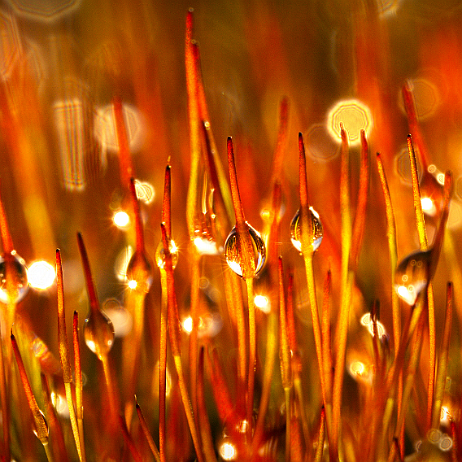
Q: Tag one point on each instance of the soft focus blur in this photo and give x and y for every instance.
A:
(62, 63)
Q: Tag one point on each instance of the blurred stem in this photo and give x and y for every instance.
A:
(78, 382)
(346, 289)
(443, 360)
(320, 446)
(147, 435)
(195, 294)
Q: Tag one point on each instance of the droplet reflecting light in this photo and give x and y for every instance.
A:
(233, 252)
(13, 266)
(317, 230)
(160, 254)
(98, 332)
(412, 276)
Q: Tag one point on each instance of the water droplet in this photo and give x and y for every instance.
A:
(13, 278)
(412, 276)
(233, 253)
(317, 231)
(41, 430)
(139, 272)
(98, 333)
(160, 254)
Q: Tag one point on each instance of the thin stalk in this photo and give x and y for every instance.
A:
(327, 349)
(306, 238)
(271, 347)
(443, 359)
(391, 236)
(5, 236)
(321, 436)
(291, 333)
(129, 441)
(414, 124)
(40, 424)
(219, 179)
(146, 433)
(101, 331)
(422, 233)
(110, 386)
(284, 355)
(346, 288)
(247, 265)
(195, 298)
(139, 274)
(174, 334)
(4, 402)
(163, 365)
(64, 356)
(252, 351)
(78, 380)
(204, 424)
(288, 442)
(409, 382)
(360, 216)
(272, 323)
(167, 220)
(194, 125)
(126, 168)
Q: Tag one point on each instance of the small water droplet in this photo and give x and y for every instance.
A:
(317, 231)
(234, 257)
(160, 254)
(412, 276)
(13, 278)
(41, 430)
(98, 332)
(139, 271)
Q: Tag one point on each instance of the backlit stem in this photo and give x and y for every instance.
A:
(64, 356)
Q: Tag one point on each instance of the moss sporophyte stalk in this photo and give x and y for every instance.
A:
(228, 304)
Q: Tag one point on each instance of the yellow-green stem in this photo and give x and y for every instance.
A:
(287, 391)
(73, 419)
(271, 346)
(252, 352)
(162, 365)
(315, 318)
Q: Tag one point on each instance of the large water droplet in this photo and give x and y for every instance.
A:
(98, 332)
(13, 278)
(234, 257)
(139, 272)
(412, 276)
(316, 230)
(160, 254)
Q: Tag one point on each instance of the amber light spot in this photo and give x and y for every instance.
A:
(121, 219)
(354, 116)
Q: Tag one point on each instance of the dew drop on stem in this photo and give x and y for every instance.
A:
(317, 232)
(234, 257)
(13, 278)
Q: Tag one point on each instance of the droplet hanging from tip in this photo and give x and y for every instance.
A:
(317, 231)
(139, 272)
(98, 332)
(234, 257)
(13, 278)
(412, 276)
(160, 254)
